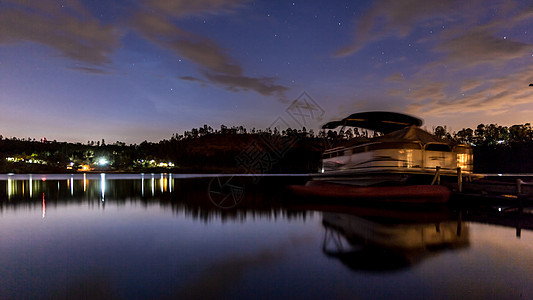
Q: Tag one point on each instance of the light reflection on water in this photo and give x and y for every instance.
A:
(158, 236)
(28, 185)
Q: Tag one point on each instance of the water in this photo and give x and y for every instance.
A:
(157, 236)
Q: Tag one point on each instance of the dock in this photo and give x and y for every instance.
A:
(494, 188)
(503, 188)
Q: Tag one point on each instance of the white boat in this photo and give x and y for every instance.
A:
(404, 150)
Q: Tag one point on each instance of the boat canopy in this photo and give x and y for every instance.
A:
(381, 121)
(411, 134)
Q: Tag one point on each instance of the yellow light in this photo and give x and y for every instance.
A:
(462, 160)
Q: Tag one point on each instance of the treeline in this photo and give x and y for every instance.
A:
(228, 149)
(238, 150)
(497, 149)
(488, 135)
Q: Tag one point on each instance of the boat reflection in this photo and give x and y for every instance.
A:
(384, 244)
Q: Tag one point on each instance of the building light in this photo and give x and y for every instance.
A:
(102, 162)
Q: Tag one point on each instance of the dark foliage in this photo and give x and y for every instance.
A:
(239, 150)
(497, 149)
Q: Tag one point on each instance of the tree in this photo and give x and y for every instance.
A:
(465, 135)
(479, 134)
(494, 134)
(442, 132)
(520, 133)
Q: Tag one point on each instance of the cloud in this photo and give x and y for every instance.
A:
(491, 94)
(67, 27)
(400, 19)
(470, 84)
(71, 29)
(213, 62)
(264, 86)
(202, 51)
(469, 49)
(427, 90)
(473, 74)
(396, 77)
(396, 18)
(191, 78)
(181, 8)
(90, 70)
(480, 46)
(207, 54)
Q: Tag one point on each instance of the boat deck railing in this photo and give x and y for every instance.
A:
(412, 145)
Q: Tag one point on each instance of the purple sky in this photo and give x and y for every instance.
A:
(131, 70)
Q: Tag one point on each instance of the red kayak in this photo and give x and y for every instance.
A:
(404, 194)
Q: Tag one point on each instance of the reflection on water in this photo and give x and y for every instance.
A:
(192, 196)
(160, 236)
(26, 186)
(44, 207)
(102, 186)
(366, 244)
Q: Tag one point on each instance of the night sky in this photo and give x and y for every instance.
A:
(130, 70)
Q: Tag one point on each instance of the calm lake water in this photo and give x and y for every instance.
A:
(161, 236)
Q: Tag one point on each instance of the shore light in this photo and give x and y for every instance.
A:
(102, 162)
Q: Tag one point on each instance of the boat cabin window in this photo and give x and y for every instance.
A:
(438, 147)
(460, 149)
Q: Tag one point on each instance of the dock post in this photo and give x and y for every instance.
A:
(437, 176)
(459, 180)
(518, 228)
(519, 183)
(460, 223)
(519, 217)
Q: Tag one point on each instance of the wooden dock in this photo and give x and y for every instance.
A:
(513, 188)
(484, 187)
(517, 188)
(508, 217)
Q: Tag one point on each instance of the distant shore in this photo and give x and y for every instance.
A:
(497, 149)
